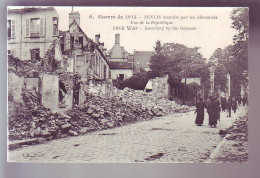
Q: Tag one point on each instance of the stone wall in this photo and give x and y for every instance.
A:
(31, 83)
(15, 85)
(50, 91)
(160, 86)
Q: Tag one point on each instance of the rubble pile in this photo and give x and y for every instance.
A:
(239, 130)
(99, 113)
(129, 106)
(154, 103)
(236, 147)
(32, 120)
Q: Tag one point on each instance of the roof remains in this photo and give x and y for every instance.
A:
(142, 58)
(29, 9)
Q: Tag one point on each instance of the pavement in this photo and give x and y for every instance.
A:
(169, 139)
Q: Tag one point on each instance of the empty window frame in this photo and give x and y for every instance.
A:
(55, 26)
(35, 54)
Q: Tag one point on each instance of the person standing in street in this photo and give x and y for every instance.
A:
(239, 100)
(200, 112)
(217, 109)
(234, 105)
(228, 107)
(223, 103)
(207, 105)
(213, 110)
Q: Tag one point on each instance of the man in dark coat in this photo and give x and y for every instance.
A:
(217, 109)
(228, 107)
(239, 100)
(234, 105)
(200, 112)
(223, 103)
(62, 92)
(213, 109)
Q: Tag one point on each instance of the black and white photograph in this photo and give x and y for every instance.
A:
(127, 84)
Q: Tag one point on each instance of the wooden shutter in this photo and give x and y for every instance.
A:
(42, 25)
(27, 28)
(13, 28)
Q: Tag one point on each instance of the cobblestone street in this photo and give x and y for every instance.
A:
(168, 139)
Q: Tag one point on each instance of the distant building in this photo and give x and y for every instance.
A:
(120, 60)
(142, 60)
(121, 70)
(31, 31)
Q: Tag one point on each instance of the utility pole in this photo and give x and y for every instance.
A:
(185, 82)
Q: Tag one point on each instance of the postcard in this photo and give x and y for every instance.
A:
(127, 84)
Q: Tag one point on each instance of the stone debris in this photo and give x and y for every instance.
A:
(153, 102)
(128, 106)
(236, 147)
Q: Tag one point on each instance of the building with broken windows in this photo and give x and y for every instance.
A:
(83, 55)
(120, 60)
(31, 31)
(58, 67)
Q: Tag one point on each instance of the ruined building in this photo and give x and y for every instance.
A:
(67, 63)
(120, 60)
(82, 55)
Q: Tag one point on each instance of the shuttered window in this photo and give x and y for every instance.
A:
(42, 24)
(27, 28)
(11, 24)
(13, 29)
(34, 27)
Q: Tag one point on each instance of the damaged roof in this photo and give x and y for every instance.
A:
(142, 58)
(121, 65)
(96, 45)
(29, 9)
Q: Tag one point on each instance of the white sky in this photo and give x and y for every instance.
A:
(210, 34)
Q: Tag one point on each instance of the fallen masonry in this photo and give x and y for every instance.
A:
(32, 120)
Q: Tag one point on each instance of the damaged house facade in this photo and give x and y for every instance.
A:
(84, 56)
(31, 31)
(67, 63)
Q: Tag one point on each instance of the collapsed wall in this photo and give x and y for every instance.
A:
(159, 86)
(128, 106)
(37, 115)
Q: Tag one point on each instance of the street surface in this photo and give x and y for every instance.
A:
(168, 139)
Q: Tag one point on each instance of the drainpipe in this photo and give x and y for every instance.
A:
(21, 37)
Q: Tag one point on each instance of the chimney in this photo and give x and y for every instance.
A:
(97, 39)
(104, 51)
(101, 45)
(117, 39)
(74, 16)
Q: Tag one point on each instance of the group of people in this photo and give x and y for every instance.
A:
(214, 107)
